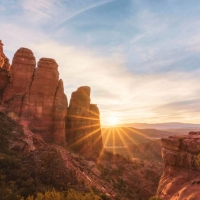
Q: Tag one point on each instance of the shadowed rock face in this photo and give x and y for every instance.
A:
(37, 96)
(181, 177)
(83, 131)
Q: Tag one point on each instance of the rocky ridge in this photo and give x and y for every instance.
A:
(181, 177)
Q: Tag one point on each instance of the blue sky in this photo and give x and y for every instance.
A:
(140, 58)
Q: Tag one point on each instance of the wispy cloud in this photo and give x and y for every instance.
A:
(40, 10)
(76, 13)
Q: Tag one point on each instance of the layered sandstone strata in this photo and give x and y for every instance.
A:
(181, 177)
(83, 131)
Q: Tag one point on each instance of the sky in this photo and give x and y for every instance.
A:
(140, 58)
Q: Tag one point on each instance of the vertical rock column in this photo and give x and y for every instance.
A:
(41, 98)
(59, 114)
(4, 67)
(4, 61)
(96, 137)
(83, 126)
(21, 76)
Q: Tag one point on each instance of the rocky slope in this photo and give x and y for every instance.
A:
(181, 177)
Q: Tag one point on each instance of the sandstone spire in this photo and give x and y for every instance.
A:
(21, 75)
(83, 131)
(4, 67)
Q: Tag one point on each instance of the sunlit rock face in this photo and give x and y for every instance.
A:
(21, 75)
(36, 95)
(181, 177)
(4, 70)
(83, 130)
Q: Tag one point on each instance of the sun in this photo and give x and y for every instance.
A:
(112, 120)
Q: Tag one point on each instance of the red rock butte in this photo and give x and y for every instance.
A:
(35, 94)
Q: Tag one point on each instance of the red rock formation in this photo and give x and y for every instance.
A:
(36, 95)
(41, 98)
(59, 116)
(21, 75)
(4, 67)
(4, 61)
(83, 125)
(181, 177)
(96, 137)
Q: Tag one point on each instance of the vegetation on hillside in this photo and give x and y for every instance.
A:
(23, 174)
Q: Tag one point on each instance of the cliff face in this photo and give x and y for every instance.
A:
(35, 95)
(83, 123)
(181, 177)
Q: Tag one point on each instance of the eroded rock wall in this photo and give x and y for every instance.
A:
(181, 176)
(83, 131)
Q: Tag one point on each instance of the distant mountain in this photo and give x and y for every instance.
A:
(162, 126)
(126, 136)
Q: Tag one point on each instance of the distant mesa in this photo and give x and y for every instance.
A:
(36, 95)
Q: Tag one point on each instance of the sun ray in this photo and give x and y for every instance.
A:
(103, 149)
(124, 143)
(138, 132)
(126, 135)
(86, 136)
